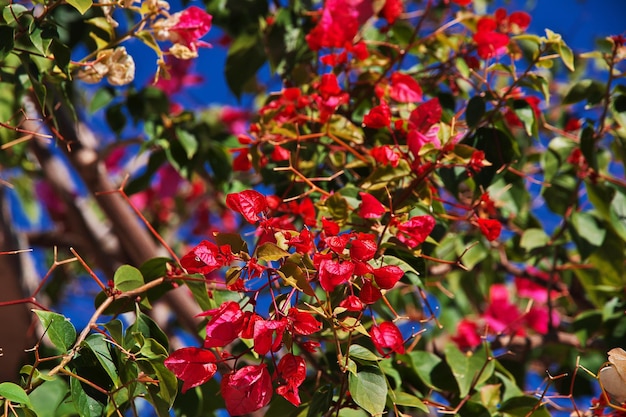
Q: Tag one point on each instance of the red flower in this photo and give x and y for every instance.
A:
(425, 115)
(385, 155)
(490, 228)
(378, 116)
(352, 303)
(501, 314)
(303, 323)
(339, 23)
(330, 227)
(387, 276)
(462, 2)
(247, 390)
(204, 258)
(332, 273)
(264, 339)
(369, 293)
(191, 24)
(467, 336)
(370, 207)
(292, 370)
(194, 366)
(405, 88)
(489, 42)
(392, 10)
(363, 249)
(414, 231)
(387, 338)
(224, 326)
(248, 203)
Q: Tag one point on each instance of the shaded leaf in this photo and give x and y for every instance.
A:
(58, 328)
(14, 393)
(369, 389)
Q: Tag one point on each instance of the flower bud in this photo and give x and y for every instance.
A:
(613, 377)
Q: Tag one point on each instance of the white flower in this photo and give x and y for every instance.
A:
(613, 376)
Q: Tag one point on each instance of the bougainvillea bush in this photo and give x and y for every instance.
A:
(426, 213)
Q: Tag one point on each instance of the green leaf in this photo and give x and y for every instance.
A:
(591, 90)
(587, 232)
(269, 251)
(321, 401)
(566, 54)
(525, 113)
(127, 278)
(103, 353)
(234, 240)
(384, 174)
(50, 399)
(369, 389)
(344, 129)
(101, 99)
(86, 405)
(522, 406)
(294, 276)
(200, 292)
(7, 35)
(534, 238)
(14, 393)
(188, 141)
(147, 328)
(466, 367)
(407, 400)
(245, 57)
(81, 5)
(618, 214)
(362, 354)
(58, 328)
(475, 111)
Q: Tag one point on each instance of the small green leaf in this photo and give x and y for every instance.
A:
(369, 389)
(534, 238)
(270, 252)
(475, 111)
(188, 142)
(344, 129)
(590, 90)
(321, 401)
(525, 113)
(86, 405)
(58, 328)
(566, 54)
(14, 393)
(408, 400)
(7, 35)
(522, 406)
(469, 370)
(362, 354)
(101, 99)
(102, 351)
(127, 278)
(245, 57)
(81, 5)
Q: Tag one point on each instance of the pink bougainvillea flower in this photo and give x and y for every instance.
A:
(338, 243)
(462, 2)
(248, 203)
(405, 89)
(268, 335)
(537, 318)
(369, 292)
(378, 116)
(178, 76)
(370, 207)
(537, 290)
(292, 371)
(392, 9)
(467, 336)
(332, 273)
(246, 390)
(385, 155)
(302, 322)
(192, 24)
(330, 227)
(501, 315)
(225, 325)
(425, 115)
(416, 139)
(352, 303)
(363, 249)
(387, 338)
(194, 366)
(330, 96)
(490, 43)
(339, 23)
(203, 259)
(414, 231)
(490, 228)
(387, 276)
